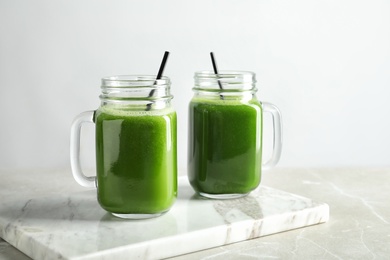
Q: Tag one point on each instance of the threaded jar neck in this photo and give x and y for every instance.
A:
(136, 90)
(225, 83)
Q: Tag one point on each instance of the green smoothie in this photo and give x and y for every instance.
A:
(136, 158)
(224, 145)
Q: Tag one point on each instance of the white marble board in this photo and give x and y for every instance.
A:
(73, 226)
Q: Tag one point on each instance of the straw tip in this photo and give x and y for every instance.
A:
(162, 66)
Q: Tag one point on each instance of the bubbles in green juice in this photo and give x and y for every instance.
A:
(224, 145)
(136, 158)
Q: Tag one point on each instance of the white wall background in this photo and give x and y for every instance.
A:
(326, 64)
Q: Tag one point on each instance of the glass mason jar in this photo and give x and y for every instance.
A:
(136, 150)
(225, 134)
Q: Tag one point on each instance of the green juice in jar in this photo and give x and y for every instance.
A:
(225, 145)
(136, 160)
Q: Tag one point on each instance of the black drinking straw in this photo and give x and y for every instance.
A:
(162, 66)
(216, 71)
(159, 75)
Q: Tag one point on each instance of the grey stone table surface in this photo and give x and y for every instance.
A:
(358, 228)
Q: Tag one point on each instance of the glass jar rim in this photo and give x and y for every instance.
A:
(134, 81)
(225, 81)
(242, 75)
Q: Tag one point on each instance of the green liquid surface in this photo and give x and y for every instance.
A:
(136, 158)
(224, 146)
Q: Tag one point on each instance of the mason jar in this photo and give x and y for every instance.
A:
(226, 134)
(136, 150)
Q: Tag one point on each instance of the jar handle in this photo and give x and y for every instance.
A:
(78, 175)
(277, 134)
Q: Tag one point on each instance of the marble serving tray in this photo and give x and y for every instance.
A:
(73, 226)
